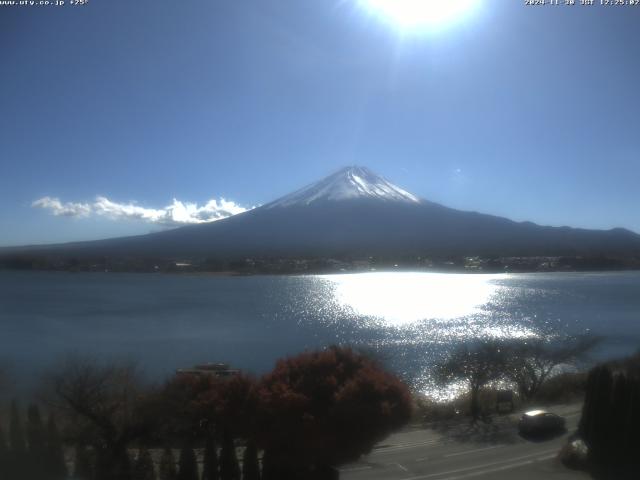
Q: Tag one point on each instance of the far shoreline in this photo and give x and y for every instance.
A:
(232, 274)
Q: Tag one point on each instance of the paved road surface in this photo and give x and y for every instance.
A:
(494, 451)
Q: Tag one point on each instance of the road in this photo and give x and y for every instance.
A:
(459, 451)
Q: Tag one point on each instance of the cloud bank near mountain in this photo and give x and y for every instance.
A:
(176, 214)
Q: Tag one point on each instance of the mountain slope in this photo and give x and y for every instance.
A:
(355, 212)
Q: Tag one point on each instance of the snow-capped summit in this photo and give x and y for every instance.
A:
(346, 184)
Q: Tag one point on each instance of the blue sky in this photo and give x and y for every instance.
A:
(525, 112)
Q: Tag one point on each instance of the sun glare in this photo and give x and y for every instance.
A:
(417, 14)
(405, 298)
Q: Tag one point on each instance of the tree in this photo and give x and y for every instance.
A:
(16, 433)
(18, 466)
(143, 467)
(222, 404)
(4, 455)
(610, 419)
(229, 468)
(250, 465)
(55, 462)
(477, 365)
(4, 380)
(111, 465)
(273, 470)
(182, 410)
(167, 467)
(199, 406)
(326, 408)
(84, 464)
(210, 461)
(532, 362)
(188, 464)
(105, 407)
(234, 403)
(36, 439)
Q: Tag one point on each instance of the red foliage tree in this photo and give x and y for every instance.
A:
(327, 408)
(230, 404)
(180, 408)
(201, 406)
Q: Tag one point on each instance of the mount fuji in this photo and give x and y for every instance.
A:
(347, 184)
(355, 212)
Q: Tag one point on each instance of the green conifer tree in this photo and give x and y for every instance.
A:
(36, 440)
(188, 464)
(229, 468)
(16, 434)
(250, 465)
(18, 469)
(4, 455)
(55, 462)
(112, 464)
(273, 469)
(167, 468)
(143, 466)
(83, 467)
(210, 461)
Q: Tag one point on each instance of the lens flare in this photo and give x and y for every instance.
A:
(417, 14)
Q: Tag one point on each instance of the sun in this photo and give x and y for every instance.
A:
(418, 14)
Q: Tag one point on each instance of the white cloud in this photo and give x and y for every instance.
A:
(117, 211)
(68, 209)
(176, 214)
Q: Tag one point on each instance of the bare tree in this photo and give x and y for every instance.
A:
(477, 365)
(531, 362)
(104, 407)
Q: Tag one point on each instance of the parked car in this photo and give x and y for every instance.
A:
(539, 422)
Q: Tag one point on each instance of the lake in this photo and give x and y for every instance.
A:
(409, 319)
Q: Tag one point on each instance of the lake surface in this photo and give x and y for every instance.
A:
(409, 319)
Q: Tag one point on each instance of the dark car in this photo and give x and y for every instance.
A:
(540, 422)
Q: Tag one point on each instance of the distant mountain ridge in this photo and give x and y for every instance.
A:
(355, 212)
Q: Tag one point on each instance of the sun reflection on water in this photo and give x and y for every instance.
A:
(412, 320)
(401, 299)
